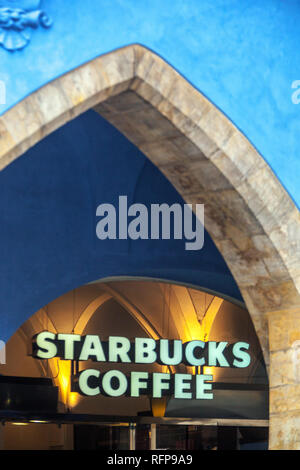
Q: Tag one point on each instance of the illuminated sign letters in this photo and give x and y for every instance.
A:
(118, 349)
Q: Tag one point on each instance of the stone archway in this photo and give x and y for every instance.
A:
(252, 220)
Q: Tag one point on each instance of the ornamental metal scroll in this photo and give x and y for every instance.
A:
(17, 19)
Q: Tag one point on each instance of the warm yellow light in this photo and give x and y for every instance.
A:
(190, 327)
(64, 383)
(119, 425)
(73, 399)
(36, 421)
(208, 370)
(209, 317)
(159, 406)
(64, 379)
(20, 424)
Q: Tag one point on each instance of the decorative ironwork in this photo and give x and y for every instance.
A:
(17, 18)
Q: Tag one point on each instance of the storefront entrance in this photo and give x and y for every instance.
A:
(135, 365)
(169, 437)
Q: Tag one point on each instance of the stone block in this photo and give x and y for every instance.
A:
(181, 178)
(188, 101)
(284, 328)
(242, 155)
(7, 143)
(268, 296)
(284, 399)
(209, 175)
(216, 126)
(285, 431)
(153, 70)
(285, 367)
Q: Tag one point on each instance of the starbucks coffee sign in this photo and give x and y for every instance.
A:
(119, 349)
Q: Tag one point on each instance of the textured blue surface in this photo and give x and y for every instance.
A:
(242, 55)
(48, 202)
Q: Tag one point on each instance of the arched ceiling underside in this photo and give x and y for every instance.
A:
(161, 310)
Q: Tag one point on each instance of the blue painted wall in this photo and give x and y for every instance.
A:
(48, 202)
(243, 55)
